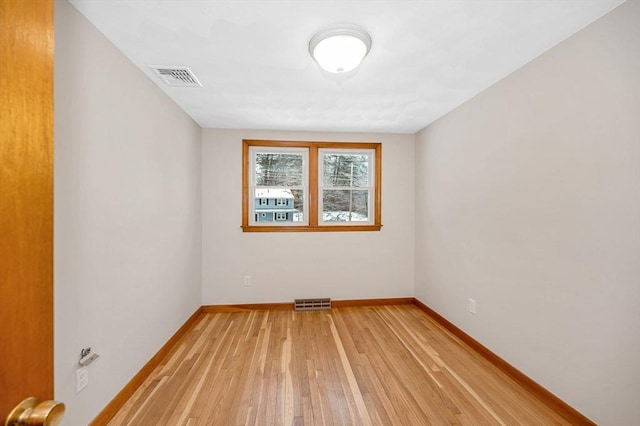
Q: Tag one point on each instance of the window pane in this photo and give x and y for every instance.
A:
(279, 169)
(345, 170)
(339, 180)
(279, 204)
(343, 205)
(298, 205)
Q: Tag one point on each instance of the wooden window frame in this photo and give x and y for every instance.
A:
(312, 213)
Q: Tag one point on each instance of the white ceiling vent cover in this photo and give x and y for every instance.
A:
(176, 76)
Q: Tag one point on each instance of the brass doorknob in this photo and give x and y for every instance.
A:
(30, 412)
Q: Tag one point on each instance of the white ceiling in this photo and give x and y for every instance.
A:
(427, 57)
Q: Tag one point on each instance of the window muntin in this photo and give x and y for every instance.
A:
(345, 186)
(324, 197)
(278, 179)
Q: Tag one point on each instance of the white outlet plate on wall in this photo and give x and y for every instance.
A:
(82, 378)
(472, 306)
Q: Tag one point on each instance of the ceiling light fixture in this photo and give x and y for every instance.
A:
(340, 48)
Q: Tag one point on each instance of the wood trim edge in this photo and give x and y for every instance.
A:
(284, 306)
(559, 406)
(372, 302)
(310, 228)
(563, 409)
(212, 309)
(128, 390)
(111, 409)
(313, 186)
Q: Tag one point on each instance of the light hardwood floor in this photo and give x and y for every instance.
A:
(383, 365)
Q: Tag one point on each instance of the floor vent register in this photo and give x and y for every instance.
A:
(312, 304)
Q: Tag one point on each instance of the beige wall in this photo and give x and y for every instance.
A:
(285, 266)
(127, 215)
(528, 201)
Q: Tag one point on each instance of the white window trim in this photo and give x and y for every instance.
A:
(370, 153)
(305, 184)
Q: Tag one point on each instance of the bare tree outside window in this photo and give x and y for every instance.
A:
(278, 169)
(345, 194)
(282, 170)
(298, 186)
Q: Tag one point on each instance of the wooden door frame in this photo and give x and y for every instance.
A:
(26, 201)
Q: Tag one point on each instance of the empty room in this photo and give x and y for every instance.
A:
(210, 219)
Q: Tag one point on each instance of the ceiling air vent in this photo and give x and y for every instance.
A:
(176, 76)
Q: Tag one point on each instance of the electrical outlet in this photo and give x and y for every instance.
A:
(247, 280)
(472, 306)
(82, 378)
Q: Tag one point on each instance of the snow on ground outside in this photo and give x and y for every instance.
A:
(336, 217)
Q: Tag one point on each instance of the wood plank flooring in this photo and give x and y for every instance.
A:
(383, 365)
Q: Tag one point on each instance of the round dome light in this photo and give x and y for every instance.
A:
(340, 48)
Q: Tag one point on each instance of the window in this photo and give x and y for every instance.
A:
(313, 186)
(345, 185)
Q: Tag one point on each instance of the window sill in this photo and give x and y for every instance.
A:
(324, 228)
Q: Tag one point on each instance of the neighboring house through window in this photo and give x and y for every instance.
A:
(273, 204)
(311, 186)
